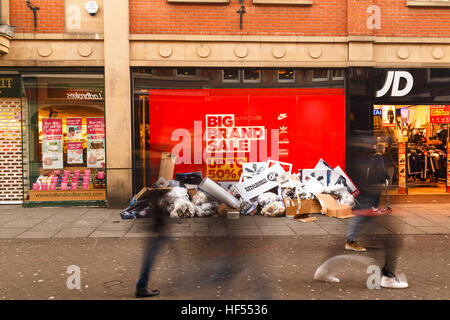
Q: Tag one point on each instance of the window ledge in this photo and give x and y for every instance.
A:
(432, 3)
(198, 1)
(291, 2)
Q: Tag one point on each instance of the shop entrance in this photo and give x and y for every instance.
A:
(417, 146)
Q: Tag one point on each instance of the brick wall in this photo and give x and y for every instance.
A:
(50, 16)
(323, 18)
(10, 151)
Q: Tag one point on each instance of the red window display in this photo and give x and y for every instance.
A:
(215, 130)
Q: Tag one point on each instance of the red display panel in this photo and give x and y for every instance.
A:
(294, 125)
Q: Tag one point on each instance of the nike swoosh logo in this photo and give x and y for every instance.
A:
(282, 116)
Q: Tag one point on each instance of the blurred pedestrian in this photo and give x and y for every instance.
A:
(369, 199)
(158, 226)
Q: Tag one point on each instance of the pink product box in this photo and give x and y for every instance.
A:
(87, 172)
(66, 173)
(76, 173)
(35, 186)
(85, 179)
(56, 172)
(101, 175)
(64, 179)
(44, 186)
(85, 186)
(52, 187)
(63, 186)
(74, 186)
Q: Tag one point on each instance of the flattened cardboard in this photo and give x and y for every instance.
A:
(307, 206)
(333, 209)
(306, 218)
(151, 193)
(167, 166)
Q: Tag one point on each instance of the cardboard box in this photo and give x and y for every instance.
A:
(233, 215)
(223, 209)
(307, 206)
(331, 208)
(167, 165)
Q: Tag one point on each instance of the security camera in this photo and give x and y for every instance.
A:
(92, 7)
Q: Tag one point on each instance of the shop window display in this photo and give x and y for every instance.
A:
(423, 130)
(64, 136)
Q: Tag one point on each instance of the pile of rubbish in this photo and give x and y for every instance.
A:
(269, 189)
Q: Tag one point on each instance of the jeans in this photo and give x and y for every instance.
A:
(150, 253)
(354, 226)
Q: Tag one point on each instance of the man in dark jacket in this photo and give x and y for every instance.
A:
(368, 202)
(369, 199)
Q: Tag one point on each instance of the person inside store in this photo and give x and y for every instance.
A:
(368, 211)
(441, 137)
(391, 115)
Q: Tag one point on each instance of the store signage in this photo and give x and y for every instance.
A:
(212, 130)
(402, 168)
(82, 95)
(440, 114)
(52, 149)
(389, 116)
(393, 80)
(377, 112)
(9, 86)
(95, 142)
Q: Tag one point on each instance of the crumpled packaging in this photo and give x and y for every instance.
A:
(204, 203)
(167, 202)
(312, 185)
(247, 207)
(344, 197)
(267, 198)
(206, 209)
(274, 209)
(182, 209)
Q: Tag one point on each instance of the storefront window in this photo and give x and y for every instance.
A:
(420, 166)
(64, 138)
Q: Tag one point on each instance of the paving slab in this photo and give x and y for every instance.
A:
(107, 234)
(21, 223)
(435, 230)
(86, 223)
(277, 230)
(11, 232)
(46, 226)
(106, 226)
(36, 234)
(74, 233)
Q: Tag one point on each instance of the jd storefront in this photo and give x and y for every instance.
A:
(213, 120)
(63, 139)
(408, 110)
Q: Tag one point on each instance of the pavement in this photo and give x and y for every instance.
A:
(85, 222)
(253, 257)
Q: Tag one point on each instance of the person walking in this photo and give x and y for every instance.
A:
(368, 211)
(369, 199)
(158, 226)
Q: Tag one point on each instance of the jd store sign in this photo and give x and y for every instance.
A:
(412, 85)
(392, 84)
